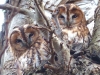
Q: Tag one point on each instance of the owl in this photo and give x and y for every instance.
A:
(72, 21)
(26, 39)
(29, 49)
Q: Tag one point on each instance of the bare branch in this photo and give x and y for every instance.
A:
(48, 9)
(40, 27)
(40, 10)
(16, 9)
(58, 30)
(52, 47)
(90, 20)
(63, 2)
(51, 67)
(67, 1)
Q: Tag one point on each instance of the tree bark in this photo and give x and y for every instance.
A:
(94, 47)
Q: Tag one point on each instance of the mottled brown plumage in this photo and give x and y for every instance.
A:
(73, 23)
(26, 38)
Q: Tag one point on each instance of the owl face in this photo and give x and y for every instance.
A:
(28, 47)
(73, 23)
(23, 38)
(71, 15)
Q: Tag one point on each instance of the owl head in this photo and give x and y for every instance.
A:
(23, 38)
(71, 15)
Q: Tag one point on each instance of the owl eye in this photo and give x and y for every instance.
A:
(18, 40)
(74, 16)
(30, 35)
(61, 16)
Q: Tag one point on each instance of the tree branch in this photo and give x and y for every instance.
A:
(67, 1)
(40, 10)
(16, 9)
(90, 20)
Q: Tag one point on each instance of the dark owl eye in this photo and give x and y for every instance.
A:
(18, 40)
(74, 16)
(61, 16)
(30, 35)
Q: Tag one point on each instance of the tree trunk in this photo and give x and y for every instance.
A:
(94, 47)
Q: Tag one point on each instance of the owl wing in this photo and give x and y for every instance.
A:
(36, 56)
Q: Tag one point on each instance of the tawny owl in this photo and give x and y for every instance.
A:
(73, 23)
(27, 38)
(29, 48)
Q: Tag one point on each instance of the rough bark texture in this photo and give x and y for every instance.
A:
(94, 48)
(66, 64)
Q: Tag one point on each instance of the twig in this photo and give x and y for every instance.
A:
(67, 1)
(52, 47)
(32, 7)
(51, 33)
(72, 1)
(51, 67)
(62, 2)
(46, 3)
(3, 50)
(48, 9)
(69, 63)
(90, 20)
(41, 12)
(39, 27)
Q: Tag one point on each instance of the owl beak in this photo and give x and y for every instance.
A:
(25, 45)
(29, 43)
(68, 24)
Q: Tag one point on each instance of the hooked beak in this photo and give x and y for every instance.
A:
(67, 23)
(25, 45)
(29, 42)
